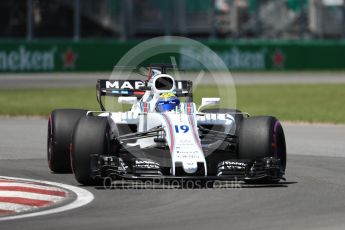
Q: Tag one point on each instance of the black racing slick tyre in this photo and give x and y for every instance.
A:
(91, 136)
(261, 137)
(61, 124)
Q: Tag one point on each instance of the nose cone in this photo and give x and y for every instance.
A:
(190, 167)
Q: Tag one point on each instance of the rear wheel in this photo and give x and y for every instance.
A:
(91, 136)
(60, 128)
(261, 137)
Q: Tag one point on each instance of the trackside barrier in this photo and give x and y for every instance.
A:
(69, 56)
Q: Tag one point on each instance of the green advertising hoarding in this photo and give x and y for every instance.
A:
(66, 56)
(49, 56)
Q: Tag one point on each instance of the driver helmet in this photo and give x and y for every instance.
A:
(167, 102)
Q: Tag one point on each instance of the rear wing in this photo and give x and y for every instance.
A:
(136, 88)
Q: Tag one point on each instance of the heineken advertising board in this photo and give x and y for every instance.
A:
(58, 56)
(23, 59)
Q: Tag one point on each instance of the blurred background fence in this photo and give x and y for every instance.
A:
(132, 19)
(90, 35)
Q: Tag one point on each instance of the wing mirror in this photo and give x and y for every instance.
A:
(128, 100)
(208, 101)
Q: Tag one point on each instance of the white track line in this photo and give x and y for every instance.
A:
(83, 197)
(27, 185)
(15, 207)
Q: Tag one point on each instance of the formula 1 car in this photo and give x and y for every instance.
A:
(163, 137)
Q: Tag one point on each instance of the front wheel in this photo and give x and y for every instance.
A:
(261, 137)
(91, 136)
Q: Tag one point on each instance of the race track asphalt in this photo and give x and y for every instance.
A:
(311, 198)
(55, 80)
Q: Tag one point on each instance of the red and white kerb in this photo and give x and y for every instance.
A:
(18, 196)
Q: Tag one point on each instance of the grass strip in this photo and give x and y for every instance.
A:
(309, 102)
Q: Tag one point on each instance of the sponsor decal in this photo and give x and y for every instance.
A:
(124, 84)
(146, 164)
(232, 165)
(187, 155)
(185, 144)
(234, 58)
(135, 84)
(23, 59)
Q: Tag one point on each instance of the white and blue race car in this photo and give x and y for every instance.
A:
(164, 135)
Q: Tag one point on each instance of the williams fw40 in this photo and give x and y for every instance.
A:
(163, 135)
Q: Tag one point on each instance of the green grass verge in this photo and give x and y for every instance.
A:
(310, 103)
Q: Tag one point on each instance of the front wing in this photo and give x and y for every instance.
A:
(145, 169)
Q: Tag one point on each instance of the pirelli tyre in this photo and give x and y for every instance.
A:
(60, 129)
(261, 137)
(91, 136)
